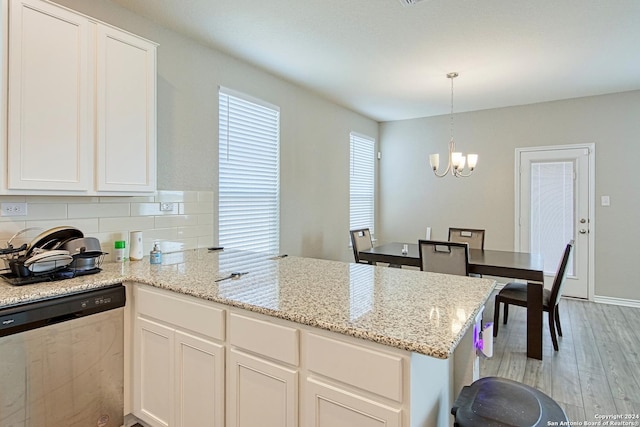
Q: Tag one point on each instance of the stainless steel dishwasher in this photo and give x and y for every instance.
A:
(62, 361)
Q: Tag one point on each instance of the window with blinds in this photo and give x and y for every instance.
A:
(362, 182)
(249, 173)
(552, 211)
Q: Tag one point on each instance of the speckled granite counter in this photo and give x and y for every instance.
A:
(411, 310)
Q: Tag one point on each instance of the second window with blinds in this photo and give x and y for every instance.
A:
(362, 182)
(249, 173)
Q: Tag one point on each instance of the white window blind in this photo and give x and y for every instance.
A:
(249, 173)
(362, 182)
(552, 211)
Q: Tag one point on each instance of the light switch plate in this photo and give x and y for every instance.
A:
(605, 201)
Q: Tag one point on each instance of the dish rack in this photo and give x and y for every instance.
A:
(17, 274)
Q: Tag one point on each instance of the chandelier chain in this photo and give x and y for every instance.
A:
(451, 116)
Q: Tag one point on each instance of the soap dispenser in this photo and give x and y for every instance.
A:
(155, 256)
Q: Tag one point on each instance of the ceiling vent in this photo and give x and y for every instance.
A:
(410, 2)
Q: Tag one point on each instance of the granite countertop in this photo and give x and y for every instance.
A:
(422, 312)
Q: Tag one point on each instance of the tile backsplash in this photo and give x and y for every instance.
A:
(185, 221)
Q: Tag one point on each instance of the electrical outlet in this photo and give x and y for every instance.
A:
(166, 206)
(13, 209)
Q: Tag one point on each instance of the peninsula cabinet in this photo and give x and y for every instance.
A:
(200, 363)
(81, 104)
(262, 373)
(178, 361)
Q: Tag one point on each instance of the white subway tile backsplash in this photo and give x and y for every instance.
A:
(62, 199)
(205, 196)
(40, 211)
(177, 196)
(158, 234)
(145, 209)
(8, 229)
(196, 208)
(205, 241)
(188, 226)
(134, 199)
(197, 231)
(130, 223)
(86, 225)
(177, 221)
(205, 219)
(99, 210)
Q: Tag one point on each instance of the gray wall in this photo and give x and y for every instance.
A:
(314, 133)
(411, 198)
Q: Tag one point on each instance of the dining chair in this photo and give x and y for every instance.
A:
(444, 257)
(474, 237)
(516, 294)
(360, 241)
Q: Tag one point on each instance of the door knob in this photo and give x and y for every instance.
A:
(582, 220)
(583, 231)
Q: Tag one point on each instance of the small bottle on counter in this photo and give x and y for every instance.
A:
(118, 253)
(155, 256)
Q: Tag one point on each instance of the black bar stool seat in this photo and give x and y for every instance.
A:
(498, 402)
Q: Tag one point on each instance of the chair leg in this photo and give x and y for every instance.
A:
(496, 317)
(506, 313)
(552, 329)
(557, 316)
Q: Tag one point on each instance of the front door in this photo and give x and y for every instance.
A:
(554, 205)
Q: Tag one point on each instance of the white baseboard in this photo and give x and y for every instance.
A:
(617, 301)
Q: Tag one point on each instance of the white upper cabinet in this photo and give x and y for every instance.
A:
(49, 121)
(126, 112)
(81, 111)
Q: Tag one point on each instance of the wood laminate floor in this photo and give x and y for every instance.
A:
(596, 371)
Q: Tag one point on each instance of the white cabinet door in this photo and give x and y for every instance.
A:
(153, 372)
(199, 391)
(126, 112)
(329, 406)
(49, 113)
(261, 393)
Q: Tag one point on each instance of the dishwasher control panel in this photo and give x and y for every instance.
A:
(42, 313)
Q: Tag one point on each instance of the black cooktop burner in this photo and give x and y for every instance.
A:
(67, 273)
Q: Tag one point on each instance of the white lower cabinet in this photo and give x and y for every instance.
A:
(332, 406)
(153, 361)
(199, 389)
(178, 374)
(199, 363)
(261, 392)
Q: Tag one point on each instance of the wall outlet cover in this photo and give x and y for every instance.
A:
(13, 209)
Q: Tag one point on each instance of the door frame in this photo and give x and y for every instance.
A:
(591, 205)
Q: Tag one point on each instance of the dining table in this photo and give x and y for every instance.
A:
(507, 264)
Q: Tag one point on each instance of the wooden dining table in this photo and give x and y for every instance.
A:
(513, 265)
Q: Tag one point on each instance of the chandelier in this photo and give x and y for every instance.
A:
(457, 160)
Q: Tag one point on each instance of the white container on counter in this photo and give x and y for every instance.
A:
(135, 246)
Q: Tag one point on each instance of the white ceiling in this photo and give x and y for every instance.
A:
(389, 61)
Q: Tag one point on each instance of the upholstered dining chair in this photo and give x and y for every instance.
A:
(444, 257)
(474, 237)
(516, 294)
(360, 241)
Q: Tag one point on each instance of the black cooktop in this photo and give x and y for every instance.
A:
(66, 273)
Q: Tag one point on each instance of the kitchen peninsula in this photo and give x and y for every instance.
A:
(295, 341)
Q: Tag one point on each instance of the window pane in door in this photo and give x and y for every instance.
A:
(552, 211)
